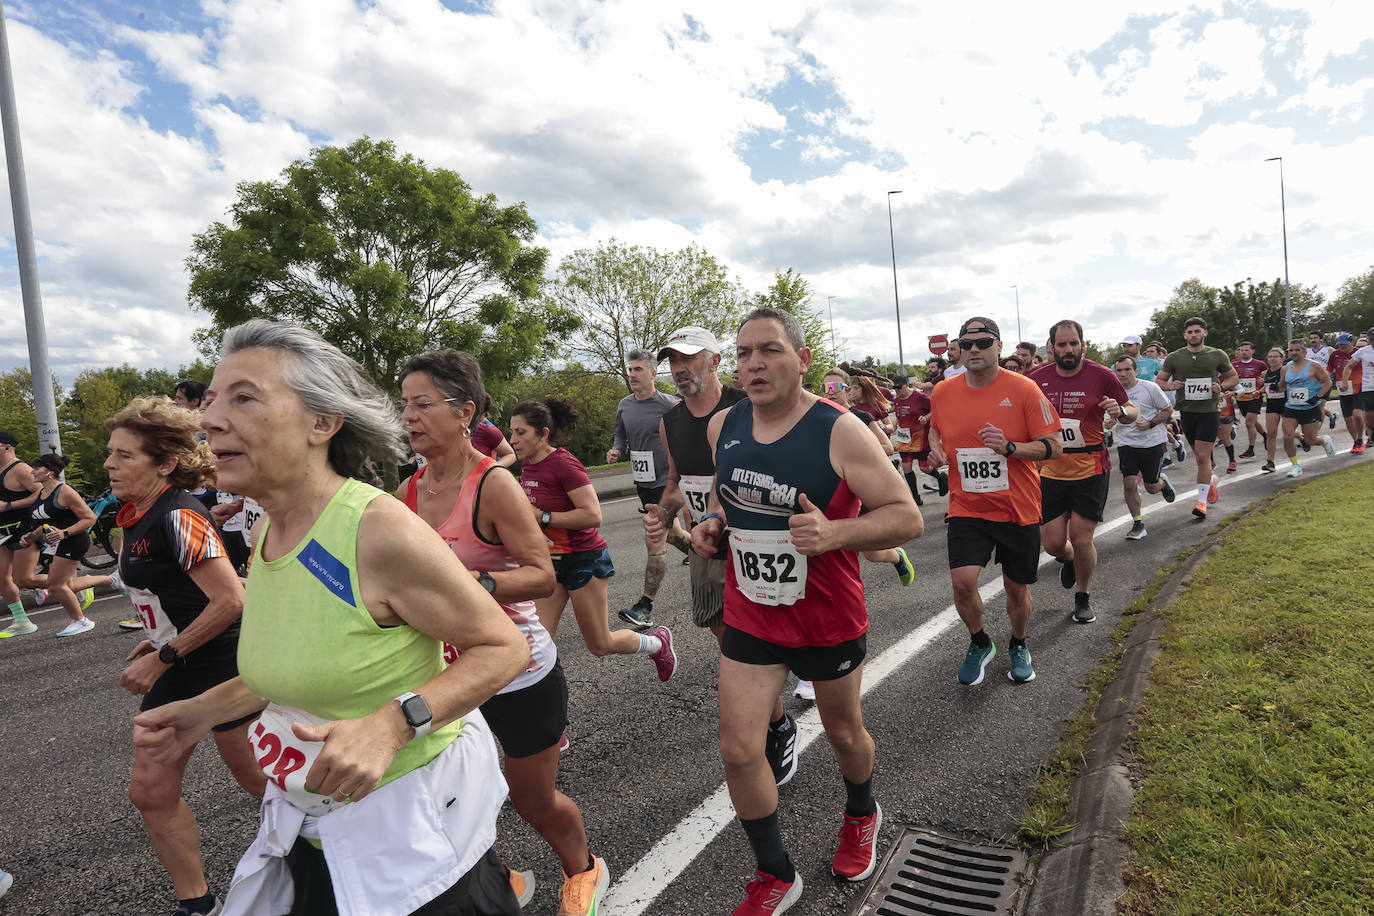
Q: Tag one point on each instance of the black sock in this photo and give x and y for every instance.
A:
(765, 836)
(1080, 599)
(1016, 643)
(1231, 452)
(198, 904)
(981, 639)
(860, 802)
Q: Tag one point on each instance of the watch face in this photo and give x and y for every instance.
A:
(416, 711)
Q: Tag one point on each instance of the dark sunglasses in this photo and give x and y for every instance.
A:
(981, 343)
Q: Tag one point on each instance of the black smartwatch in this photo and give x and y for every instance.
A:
(485, 580)
(545, 519)
(168, 655)
(1011, 449)
(416, 711)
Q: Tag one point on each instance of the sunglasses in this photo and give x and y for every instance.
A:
(834, 387)
(980, 343)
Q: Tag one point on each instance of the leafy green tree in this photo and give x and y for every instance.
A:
(1243, 311)
(633, 297)
(790, 292)
(595, 395)
(17, 414)
(1352, 309)
(385, 257)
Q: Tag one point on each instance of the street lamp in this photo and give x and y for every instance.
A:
(1018, 312)
(901, 357)
(1283, 212)
(830, 304)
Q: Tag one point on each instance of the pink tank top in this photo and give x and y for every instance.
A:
(460, 532)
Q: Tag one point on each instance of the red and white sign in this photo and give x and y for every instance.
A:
(939, 344)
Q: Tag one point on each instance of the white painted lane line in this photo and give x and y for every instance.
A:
(642, 883)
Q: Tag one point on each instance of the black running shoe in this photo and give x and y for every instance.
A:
(942, 481)
(1067, 576)
(781, 750)
(1267, 467)
(639, 615)
(1082, 609)
(1248, 453)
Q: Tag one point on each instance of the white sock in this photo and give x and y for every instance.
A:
(1202, 489)
(649, 645)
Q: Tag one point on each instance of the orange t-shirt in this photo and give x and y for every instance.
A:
(983, 484)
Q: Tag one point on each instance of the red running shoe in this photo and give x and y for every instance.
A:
(766, 894)
(858, 852)
(1212, 493)
(665, 659)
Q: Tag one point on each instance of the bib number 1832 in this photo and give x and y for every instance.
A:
(768, 568)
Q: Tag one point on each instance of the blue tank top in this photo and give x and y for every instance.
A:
(1302, 382)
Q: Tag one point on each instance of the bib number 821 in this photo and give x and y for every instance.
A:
(766, 567)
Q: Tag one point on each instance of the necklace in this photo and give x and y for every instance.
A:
(462, 475)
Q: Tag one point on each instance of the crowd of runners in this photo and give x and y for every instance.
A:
(358, 659)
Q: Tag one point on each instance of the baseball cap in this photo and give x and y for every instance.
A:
(689, 341)
(985, 322)
(1131, 339)
(1342, 338)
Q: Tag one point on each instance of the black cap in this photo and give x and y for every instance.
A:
(985, 322)
(900, 380)
(7, 438)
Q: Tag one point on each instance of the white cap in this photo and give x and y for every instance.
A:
(689, 341)
(1131, 339)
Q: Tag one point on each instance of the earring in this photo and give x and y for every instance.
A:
(467, 432)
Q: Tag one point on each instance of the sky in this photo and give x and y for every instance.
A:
(1083, 156)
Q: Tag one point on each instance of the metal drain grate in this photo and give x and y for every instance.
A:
(934, 875)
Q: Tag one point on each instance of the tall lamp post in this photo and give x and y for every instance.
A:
(830, 304)
(1283, 212)
(901, 357)
(1018, 311)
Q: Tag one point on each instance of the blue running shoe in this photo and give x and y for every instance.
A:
(1021, 670)
(975, 663)
(906, 574)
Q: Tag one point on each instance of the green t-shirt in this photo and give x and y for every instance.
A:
(1206, 365)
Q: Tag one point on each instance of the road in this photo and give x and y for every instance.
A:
(643, 756)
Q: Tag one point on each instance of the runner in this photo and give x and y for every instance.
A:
(1140, 445)
(1074, 485)
(59, 522)
(350, 598)
(994, 490)
(912, 408)
(956, 360)
(1157, 352)
(1147, 367)
(693, 356)
(172, 562)
(1273, 406)
(636, 431)
(488, 440)
(20, 492)
(1318, 351)
(875, 401)
(1348, 388)
(791, 472)
(1249, 397)
(1013, 364)
(189, 394)
(1305, 385)
(481, 513)
(564, 503)
(1363, 357)
(1201, 373)
(1228, 419)
(934, 372)
(1026, 352)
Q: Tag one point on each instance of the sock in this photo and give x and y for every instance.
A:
(1294, 459)
(1135, 518)
(1015, 643)
(650, 645)
(765, 836)
(591, 863)
(1202, 489)
(198, 904)
(981, 639)
(1231, 452)
(17, 609)
(860, 802)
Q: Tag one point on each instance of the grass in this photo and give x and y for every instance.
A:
(1254, 754)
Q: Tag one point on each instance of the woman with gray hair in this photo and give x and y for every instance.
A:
(383, 781)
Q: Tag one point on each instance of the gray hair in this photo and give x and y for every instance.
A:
(331, 384)
(457, 376)
(790, 325)
(642, 356)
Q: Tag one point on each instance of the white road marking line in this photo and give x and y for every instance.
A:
(641, 884)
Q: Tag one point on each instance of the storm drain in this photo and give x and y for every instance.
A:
(936, 875)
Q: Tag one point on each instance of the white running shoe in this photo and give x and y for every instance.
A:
(116, 581)
(804, 691)
(84, 625)
(1294, 471)
(40, 597)
(6, 879)
(1328, 445)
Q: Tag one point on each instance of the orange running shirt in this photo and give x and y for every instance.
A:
(982, 484)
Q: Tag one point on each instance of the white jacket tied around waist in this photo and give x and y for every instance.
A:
(395, 850)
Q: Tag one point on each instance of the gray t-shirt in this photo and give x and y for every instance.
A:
(636, 425)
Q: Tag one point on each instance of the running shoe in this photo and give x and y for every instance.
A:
(20, 628)
(6, 879)
(1328, 446)
(1200, 510)
(1165, 463)
(117, 581)
(1021, 670)
(582, 893)
(1213, 494)
(804, 691)
(906, 574)
(1137, 531)
(563, 742)
(216, 908)
(1082, 610)
(1180, 450)
(857, 854)
(84, 625)
(942, 481)
(639, 615)
(1306, 446)
(522, 884)
(975, 663)
(1231, 466)
(133, 623)
(665, 659)
(1331, 420)
(1295, 471)
(87, 597)
(1167, 491)
(767, 896)
(1248, 453)
(1357, 448)
(1268, 468)
(40, 597)
(781, 750)
(1067, 576)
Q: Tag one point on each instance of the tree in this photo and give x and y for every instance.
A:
(791, 293)
(384, 256)
(633, 297)
(595, 395)
(1242, 311)
(1353, 308)
(17, 414)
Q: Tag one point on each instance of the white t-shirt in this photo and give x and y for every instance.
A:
(1365, 357)
(955, 371)
(1319, 355)
(1149, 399)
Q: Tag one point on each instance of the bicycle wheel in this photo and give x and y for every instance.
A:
(105, 540)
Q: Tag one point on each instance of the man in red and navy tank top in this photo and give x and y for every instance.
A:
(791, 472)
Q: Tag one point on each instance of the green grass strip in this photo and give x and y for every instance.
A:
(1254, 752)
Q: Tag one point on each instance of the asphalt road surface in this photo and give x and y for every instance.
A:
(643, 764)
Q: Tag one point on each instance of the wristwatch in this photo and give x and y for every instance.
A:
(167, 654)
(1011, 449)
(485, 580)
(416, 711)
(545, 519)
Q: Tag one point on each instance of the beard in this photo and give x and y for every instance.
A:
(1068, 361)
(688, 387)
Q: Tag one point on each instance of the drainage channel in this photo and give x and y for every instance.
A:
(934, 875)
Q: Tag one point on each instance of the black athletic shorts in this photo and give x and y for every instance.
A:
(1087, 497)
(810, 663)
(649, 496)
(75, 547)
(972, 542)
(531, 719)
(1273, 405)
(574, 570)
(1364, 400)
(209, 666)
(1348, 404)
(484, 890)
(1142, 460)
(1303, 415)
(1248, 407)
(16, 529)
(1201, 427)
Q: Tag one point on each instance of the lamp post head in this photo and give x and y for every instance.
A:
(1274, 159)
(890, 193)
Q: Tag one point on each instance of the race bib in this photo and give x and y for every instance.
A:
(768, 568)
(1272, 391)
(903, 436)
(1070, 432)
(981, 470)
(1245, 386)
(286, 759)
(696, 491)
(642, 467)
(156, 624)
(252, 513)
(1345, 388)
(1197, 389)
(1298, 395)
(235, 523)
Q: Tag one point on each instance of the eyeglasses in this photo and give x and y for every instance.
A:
(833, 387)
(979, 343)
(420, 406)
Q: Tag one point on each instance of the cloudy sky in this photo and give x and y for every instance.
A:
(1091, 154)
